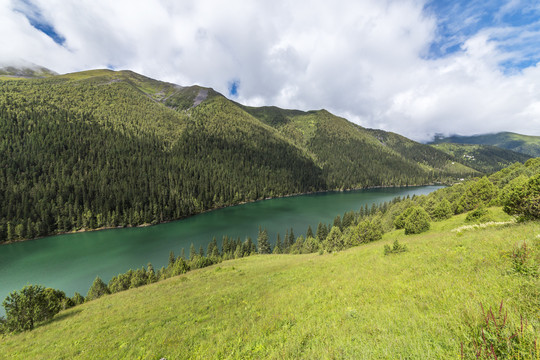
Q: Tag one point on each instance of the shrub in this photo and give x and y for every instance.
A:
(399, 222)
(366, 231)
(481, 192)
(522, 197)
(477, 214)
(395, 249)
(417, 221)
(443, 210)
(30, 305)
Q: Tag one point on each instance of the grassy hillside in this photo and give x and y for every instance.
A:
(359, 303)
(524, 144)
(484, 158)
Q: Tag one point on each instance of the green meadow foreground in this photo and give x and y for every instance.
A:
(420, 304)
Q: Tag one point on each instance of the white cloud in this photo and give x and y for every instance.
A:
(365, 60)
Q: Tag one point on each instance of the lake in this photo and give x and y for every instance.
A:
(71, 262)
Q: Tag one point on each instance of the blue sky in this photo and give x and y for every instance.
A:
(460, 19)
(415, 67)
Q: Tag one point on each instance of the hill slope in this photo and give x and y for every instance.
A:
(352, 156)
(484, 158)
(524, 144)
(104, 148)
(358, 303)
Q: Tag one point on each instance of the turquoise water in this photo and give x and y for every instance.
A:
(71, 262)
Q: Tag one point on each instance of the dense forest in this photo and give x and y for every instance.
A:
(106, 149)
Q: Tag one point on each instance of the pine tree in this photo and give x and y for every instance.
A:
(309, 232)
(192, 252)
(322, 232)
(97, 289)
(201, 251)
(213, 248)
(292, 238)
(262, 242)
(77, 299)
(151, 274)
(277, 248)
(171, 259)
(337, 222)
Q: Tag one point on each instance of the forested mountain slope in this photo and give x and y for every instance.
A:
(524, 144)
(484, 158)
(352, 156)
(102, 148)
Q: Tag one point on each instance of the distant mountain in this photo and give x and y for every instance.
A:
(484, 158)
(106, 148)
(24, 69)
(524, 144)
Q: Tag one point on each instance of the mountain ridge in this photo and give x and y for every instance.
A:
(525, 144)
(110, 148)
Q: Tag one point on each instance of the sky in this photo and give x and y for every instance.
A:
(414, 67)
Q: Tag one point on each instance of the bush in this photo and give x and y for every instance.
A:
(417, 221)
(481, 192)
(399, 222)
(477, 214)
(443, 210)
(32, 304)
(395, 249)
(522, 197)
(366, 231)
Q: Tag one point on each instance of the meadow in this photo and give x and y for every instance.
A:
(424, 303)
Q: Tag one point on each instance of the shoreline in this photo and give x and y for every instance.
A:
(217, 208)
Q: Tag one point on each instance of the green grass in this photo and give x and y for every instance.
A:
(354, 304)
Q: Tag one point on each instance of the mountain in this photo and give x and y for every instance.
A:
(352, 156)
(524, 144)
(104, 148)
(23, 69)
(484, 158)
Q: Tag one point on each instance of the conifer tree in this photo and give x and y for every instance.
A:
(192, 252)
(97, 289)
(171, 259)
(337, 222)
(213, 248)
(322, 232)
(151, 274)
(309, 232)
(286, 244)
(277, 248)
(292, 238)
(262, 242)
